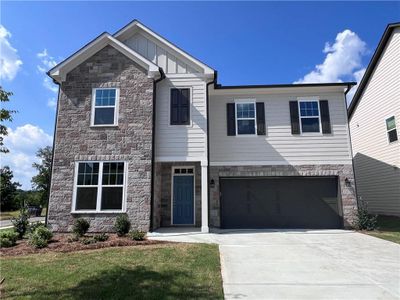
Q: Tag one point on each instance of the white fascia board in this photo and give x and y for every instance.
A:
(136, 24)
(60, 71)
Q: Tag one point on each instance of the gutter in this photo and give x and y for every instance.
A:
(208, 142)
(153, 138)
(53, 150)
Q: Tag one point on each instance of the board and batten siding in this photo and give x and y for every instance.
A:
(159, 54)
(184, 142)
(376, 162)
(279, 146)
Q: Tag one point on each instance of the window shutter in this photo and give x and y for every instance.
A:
(174, 113)
(325, 119)
(230, 117)
(294, 117)
(260, 109)
(184, 107)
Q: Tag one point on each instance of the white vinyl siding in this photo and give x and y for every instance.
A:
(155, 52)
(279, 146)
(377, 161)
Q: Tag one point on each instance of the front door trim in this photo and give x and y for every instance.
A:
(172, 192)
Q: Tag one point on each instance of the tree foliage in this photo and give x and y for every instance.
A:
(8, 189)
(41, 182)
(5, 115)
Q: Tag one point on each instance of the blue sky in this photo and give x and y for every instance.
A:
(247, 42)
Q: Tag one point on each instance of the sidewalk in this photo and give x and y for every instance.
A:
(7, 223)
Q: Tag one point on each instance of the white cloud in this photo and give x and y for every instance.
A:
(10, 63)
(23, 142)
(358, 75)
(52, 103)
(46, 63)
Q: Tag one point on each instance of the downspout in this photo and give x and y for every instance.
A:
(153, 138)
(349, 87)
(52, 151)
(214, 81)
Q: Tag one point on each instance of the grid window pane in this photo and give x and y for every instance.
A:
(392, 135)
(104, 116)
(105, 97)
(310, 125)
(245, 110)
(86, 198)
(246, 127)
(88, 173)
(111, 198)
(309, 109)
(113, 173)
(390, 123)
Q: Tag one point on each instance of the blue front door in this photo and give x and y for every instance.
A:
(183, 206)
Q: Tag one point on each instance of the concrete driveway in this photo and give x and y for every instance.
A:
(295, 264)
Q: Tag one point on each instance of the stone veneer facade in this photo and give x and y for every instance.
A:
(347, 194)
(130, 141)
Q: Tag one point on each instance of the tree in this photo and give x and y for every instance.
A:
(5, 115)
(8, 189)
(41, 182)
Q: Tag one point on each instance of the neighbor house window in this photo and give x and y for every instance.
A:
(391, 129)
(104, 107)
(100, 186)
(309, 116)
(246, 118)
(180, 106)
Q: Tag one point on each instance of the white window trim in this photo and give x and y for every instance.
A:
(99, 188)
(245, 101)
(116, 108)
(172, 192)
(190, 106)
(395, 128)
(311, 99)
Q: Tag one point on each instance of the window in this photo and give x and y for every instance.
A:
(309, 116)
(180, 107)
(100, 186)
(104, 107)
(246, 118)
(391, 129)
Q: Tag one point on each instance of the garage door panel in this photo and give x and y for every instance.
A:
(279, 203)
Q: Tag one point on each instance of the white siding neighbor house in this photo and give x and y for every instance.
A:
(374, 115)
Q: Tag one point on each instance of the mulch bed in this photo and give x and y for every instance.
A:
(60, 243)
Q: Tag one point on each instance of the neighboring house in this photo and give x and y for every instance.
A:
(144, 129)
(374, 115)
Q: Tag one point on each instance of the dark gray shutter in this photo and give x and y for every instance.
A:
(184, 101)
(174, 113)
(230, 117)
(325, 119)
(294, 117)
(260, 109)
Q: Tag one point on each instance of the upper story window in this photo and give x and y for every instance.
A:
(309, 116)
(105, 107)
(180, 106)
(246, 118)
(391, 129)
(99, 186)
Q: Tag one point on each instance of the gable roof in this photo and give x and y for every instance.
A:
(135, 26)
(59, 72)
(371, 66)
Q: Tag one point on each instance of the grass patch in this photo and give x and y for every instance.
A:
(388, 229)
(170, 271)
(8, 215)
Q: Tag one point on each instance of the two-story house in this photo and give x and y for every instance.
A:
(143, 128)
(374, 116)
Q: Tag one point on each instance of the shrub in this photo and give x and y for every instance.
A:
(21, 223)
(34, 225)
(88, 241)
(100, 237)
(8, 239)
(40, 237)
(81, 226)
(73, 238)
(122, 225)
(137, 235)
(363, 220)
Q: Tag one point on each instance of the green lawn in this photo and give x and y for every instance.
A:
(388, 229)
(164, 271)
(7, 215)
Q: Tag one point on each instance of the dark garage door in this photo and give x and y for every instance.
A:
(294, 202)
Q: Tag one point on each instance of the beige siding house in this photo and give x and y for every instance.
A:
(374, 125)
